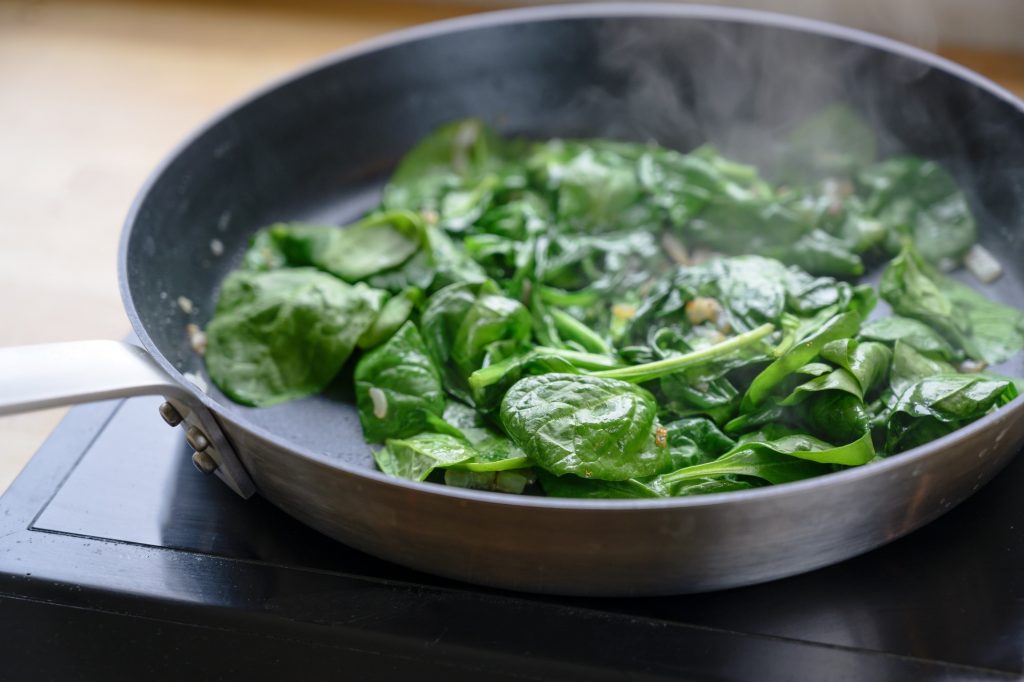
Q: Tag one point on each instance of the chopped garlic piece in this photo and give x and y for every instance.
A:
(983, 264)
(703, 309)
(196, 338)
(624, 311)
(380, 403)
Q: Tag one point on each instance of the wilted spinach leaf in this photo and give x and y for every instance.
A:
(588, 426)
(983, 329)
(940, 404)
(912, 332)
(284, 334)
(397, 387)
(377, 243)
(919, 199)
(416, 457)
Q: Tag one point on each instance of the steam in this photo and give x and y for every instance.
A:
(741, 87)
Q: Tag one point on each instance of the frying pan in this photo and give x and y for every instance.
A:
(318, 146)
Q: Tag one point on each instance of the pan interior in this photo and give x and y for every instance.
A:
(319, 148)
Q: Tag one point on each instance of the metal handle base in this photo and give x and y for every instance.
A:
(56, 374)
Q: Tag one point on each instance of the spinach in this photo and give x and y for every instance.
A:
(909, 366)
(937, 405)
(595, 489)
(377, 243)
(589, 426)
(489, 384)
(416, 457)
(397, 387)
(284, 334)
(446, 158)
(496, 453)
(983, 329)
(611, 319)
(838, 415)
(837, 327)
(512, 481)
(392, 316)
(491, 320)
(695, 440)
(912, 332)
(439, 324)
(790, 458)
(867, 362)
(918, 199)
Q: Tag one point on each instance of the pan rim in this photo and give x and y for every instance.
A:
(888, 466)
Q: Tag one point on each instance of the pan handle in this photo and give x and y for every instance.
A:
(55, 374)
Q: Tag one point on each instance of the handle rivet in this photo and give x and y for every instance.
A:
(170, 414)
(204, 462)
(196, 439)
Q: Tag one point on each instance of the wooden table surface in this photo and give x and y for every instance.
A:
(93, 94)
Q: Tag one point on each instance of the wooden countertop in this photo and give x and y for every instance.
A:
(93, 94)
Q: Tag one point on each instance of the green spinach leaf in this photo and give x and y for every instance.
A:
(591, 427)
(416, 457)
(284, 334)
(397, 387)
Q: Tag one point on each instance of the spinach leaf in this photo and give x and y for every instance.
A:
(449, 261)
(909, 366)
(444, 159)
(489, 384)
(263, 253)
(594, 183)
(940, 404)
(512, 481)
(751, 289)
(416, 457)
(917, 334)
(496, 453)
(392, 316)
(836, 380)
(837, 415)
(489, 320)
(397, 386)
(920, 200)
(983, 329)
(995, 331)
(790, 458)
(867, 361)
(377, 243)
(569, 485)
(695, 440)
(588, 426)
(840, 326)
(284, 334)
(439, 324)
(819, 253)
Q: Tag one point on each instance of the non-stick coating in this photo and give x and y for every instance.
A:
(319, 146)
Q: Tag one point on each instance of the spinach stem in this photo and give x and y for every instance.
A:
(660, 368)
(485, 376)
(569, 327)
(580, 360)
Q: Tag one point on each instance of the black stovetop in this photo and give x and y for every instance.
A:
(118, 558)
